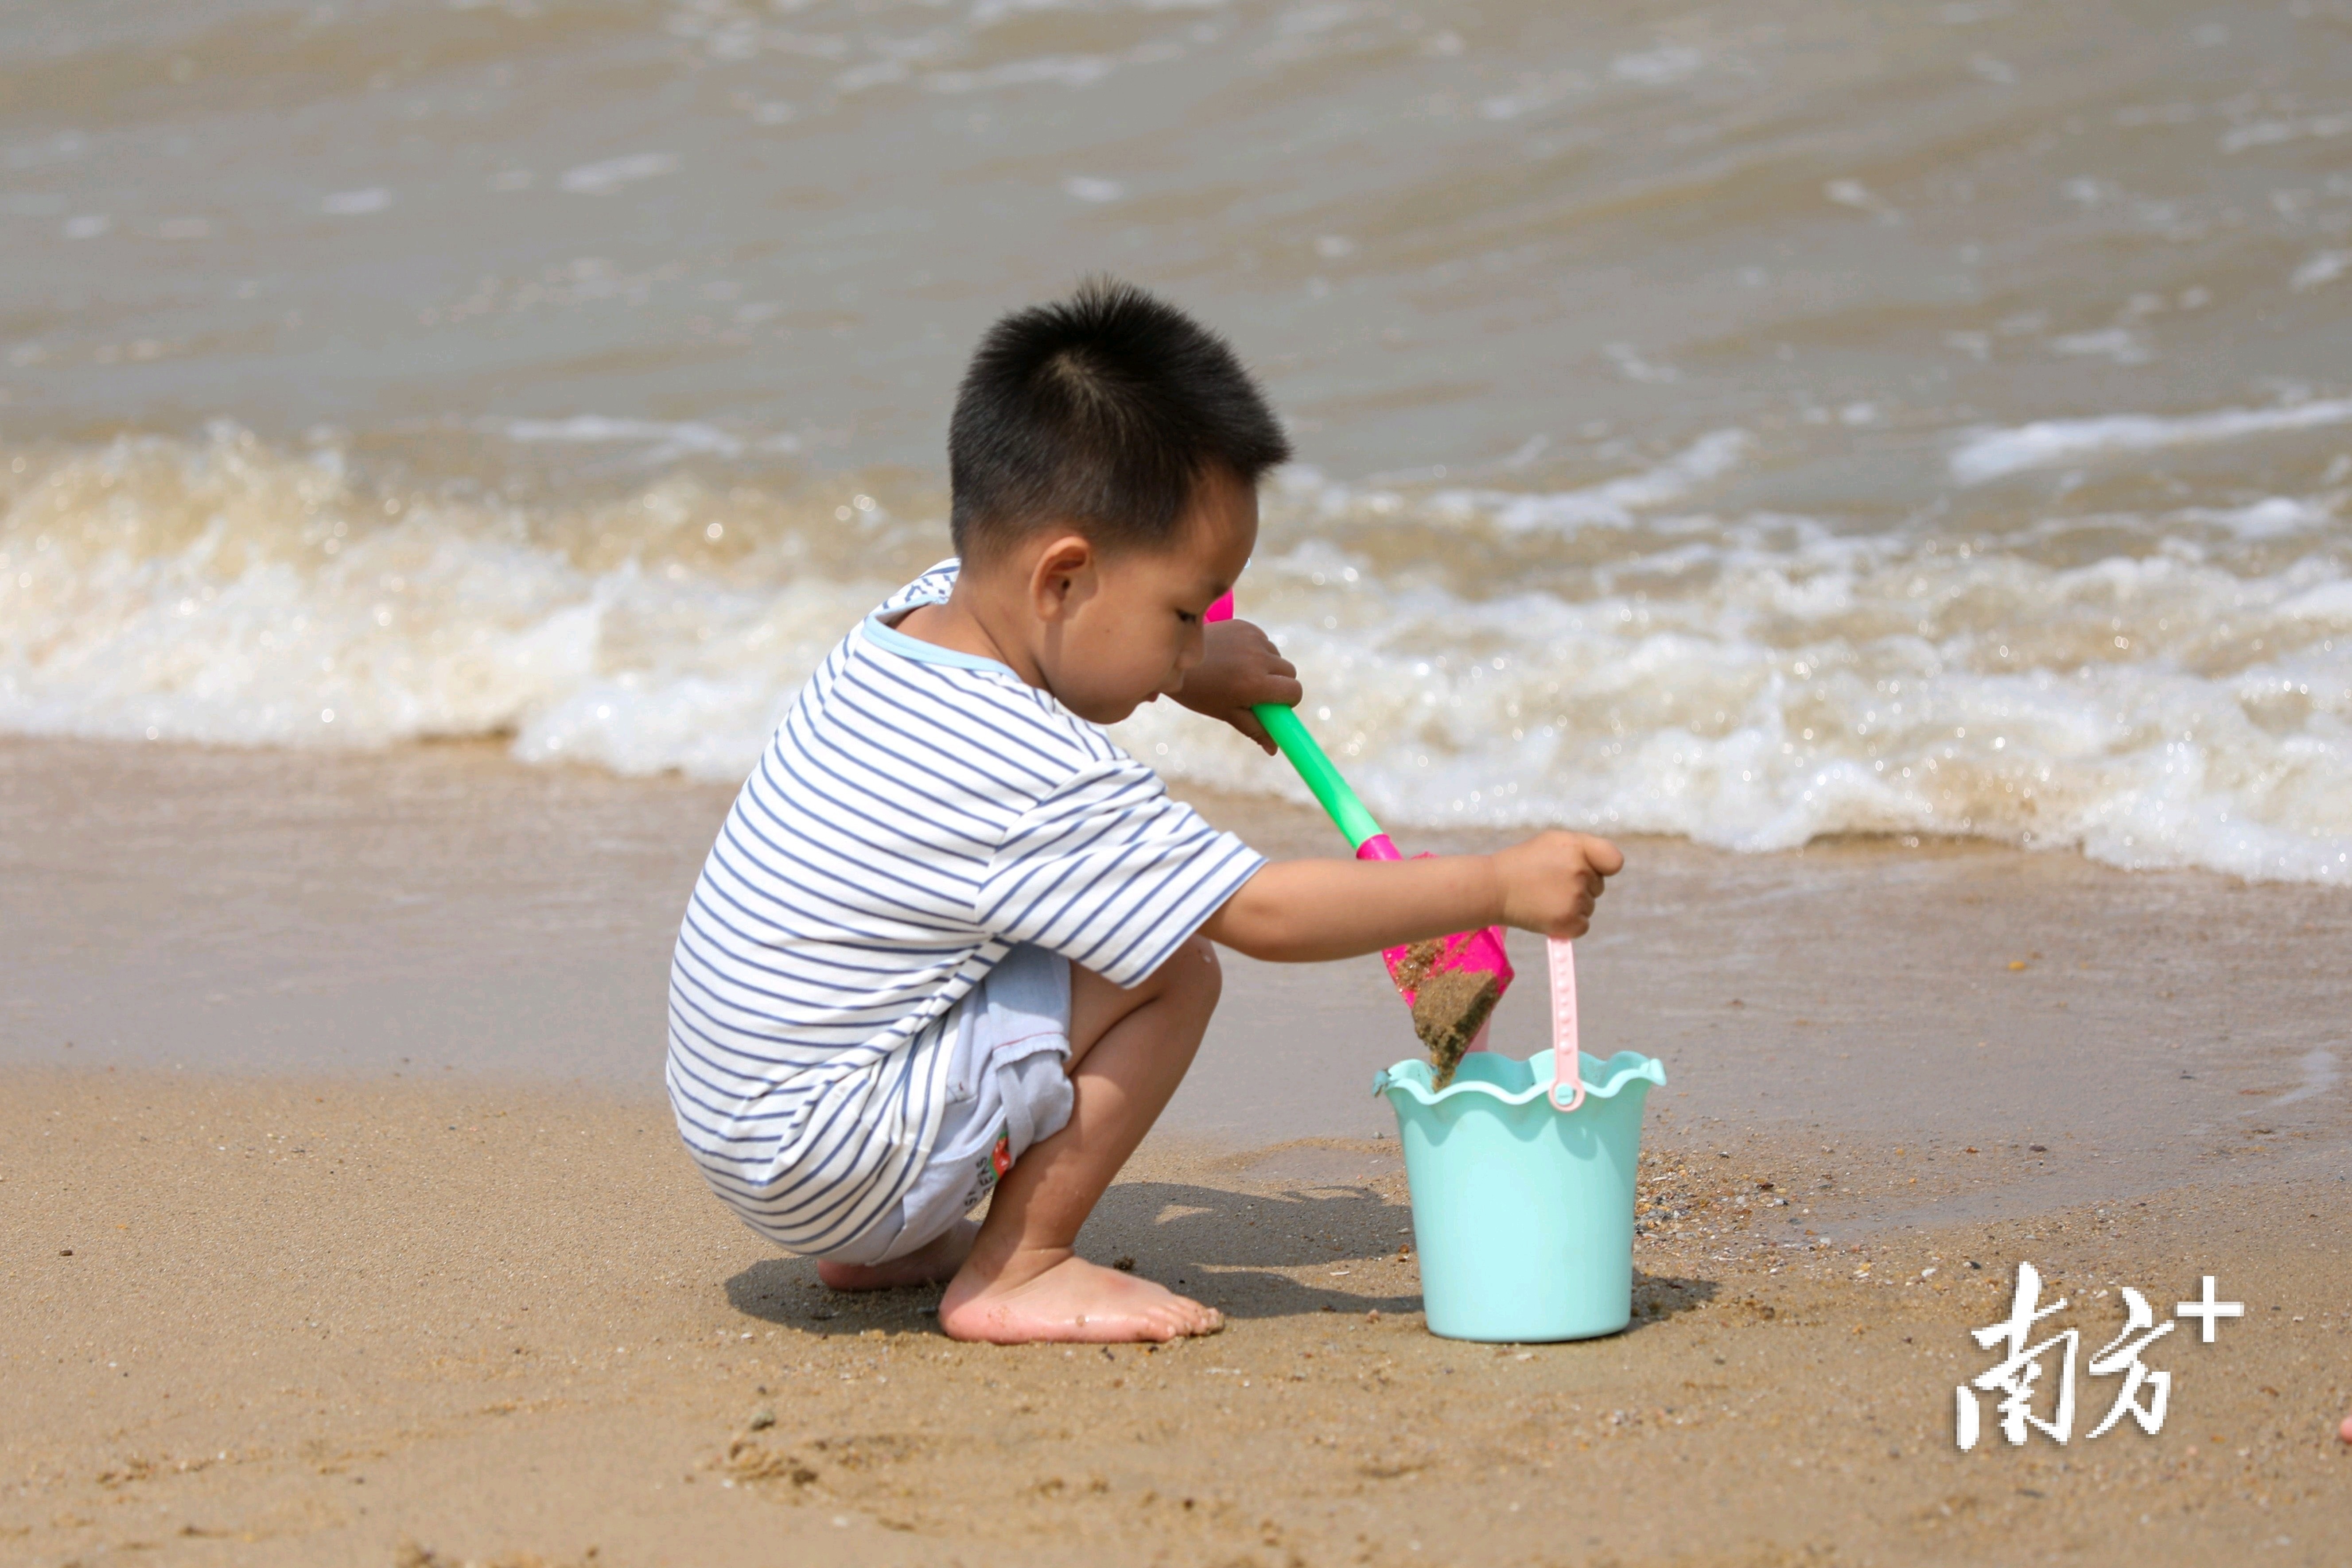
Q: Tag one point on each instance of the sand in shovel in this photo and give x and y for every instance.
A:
(1449, 1007)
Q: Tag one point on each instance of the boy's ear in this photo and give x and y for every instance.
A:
(1063, 576)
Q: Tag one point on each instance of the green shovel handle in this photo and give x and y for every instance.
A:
(1347, 813)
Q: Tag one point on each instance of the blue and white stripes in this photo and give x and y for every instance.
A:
(918, 813)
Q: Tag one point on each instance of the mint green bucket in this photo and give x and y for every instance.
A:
(1522, 1207)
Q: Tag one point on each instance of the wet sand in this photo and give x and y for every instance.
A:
(440, 912)
(336, 1079)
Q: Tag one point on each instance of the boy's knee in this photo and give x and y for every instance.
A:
(1193, 972)
(1208, 975)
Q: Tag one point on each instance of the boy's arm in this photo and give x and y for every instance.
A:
(1240, 668)
(1304, 911)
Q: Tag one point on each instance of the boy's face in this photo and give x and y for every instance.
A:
(1118, 630)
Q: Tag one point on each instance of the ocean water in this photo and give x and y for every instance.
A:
(1749, 424)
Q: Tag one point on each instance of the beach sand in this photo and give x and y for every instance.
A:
(350, 1227)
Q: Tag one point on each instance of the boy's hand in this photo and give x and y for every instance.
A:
(1307, 911)
(1241, 669)
(1551, 881)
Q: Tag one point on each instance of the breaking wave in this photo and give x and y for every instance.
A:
(2158, 689)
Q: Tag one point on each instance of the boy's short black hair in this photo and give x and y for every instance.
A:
(1102, 411)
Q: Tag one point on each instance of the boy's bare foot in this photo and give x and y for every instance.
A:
(1071, 1300)
(927, 1264)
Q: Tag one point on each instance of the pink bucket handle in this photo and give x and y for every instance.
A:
(1563, 1025)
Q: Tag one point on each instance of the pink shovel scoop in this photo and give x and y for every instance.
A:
(1450, 983)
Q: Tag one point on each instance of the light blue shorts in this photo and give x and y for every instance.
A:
(1008, 1087)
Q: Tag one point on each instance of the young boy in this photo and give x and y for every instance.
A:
(952, 938)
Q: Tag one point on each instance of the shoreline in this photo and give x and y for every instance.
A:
(446, 913)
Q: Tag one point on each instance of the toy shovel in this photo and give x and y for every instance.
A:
(1450, 983)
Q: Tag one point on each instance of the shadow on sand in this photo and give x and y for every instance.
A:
(1221, 1246)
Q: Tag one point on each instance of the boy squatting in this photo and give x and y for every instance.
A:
(953, 939)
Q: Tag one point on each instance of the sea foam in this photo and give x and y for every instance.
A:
(1989, 455)
(1623, 661)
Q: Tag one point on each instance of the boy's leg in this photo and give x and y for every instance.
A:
(932, 1263)
(1129, 1050)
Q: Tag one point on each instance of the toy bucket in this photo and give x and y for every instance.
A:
(1523, 1184)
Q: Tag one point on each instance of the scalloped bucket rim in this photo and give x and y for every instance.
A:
(1412, 1076)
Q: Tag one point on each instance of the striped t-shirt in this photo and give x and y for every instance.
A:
(918, 812)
